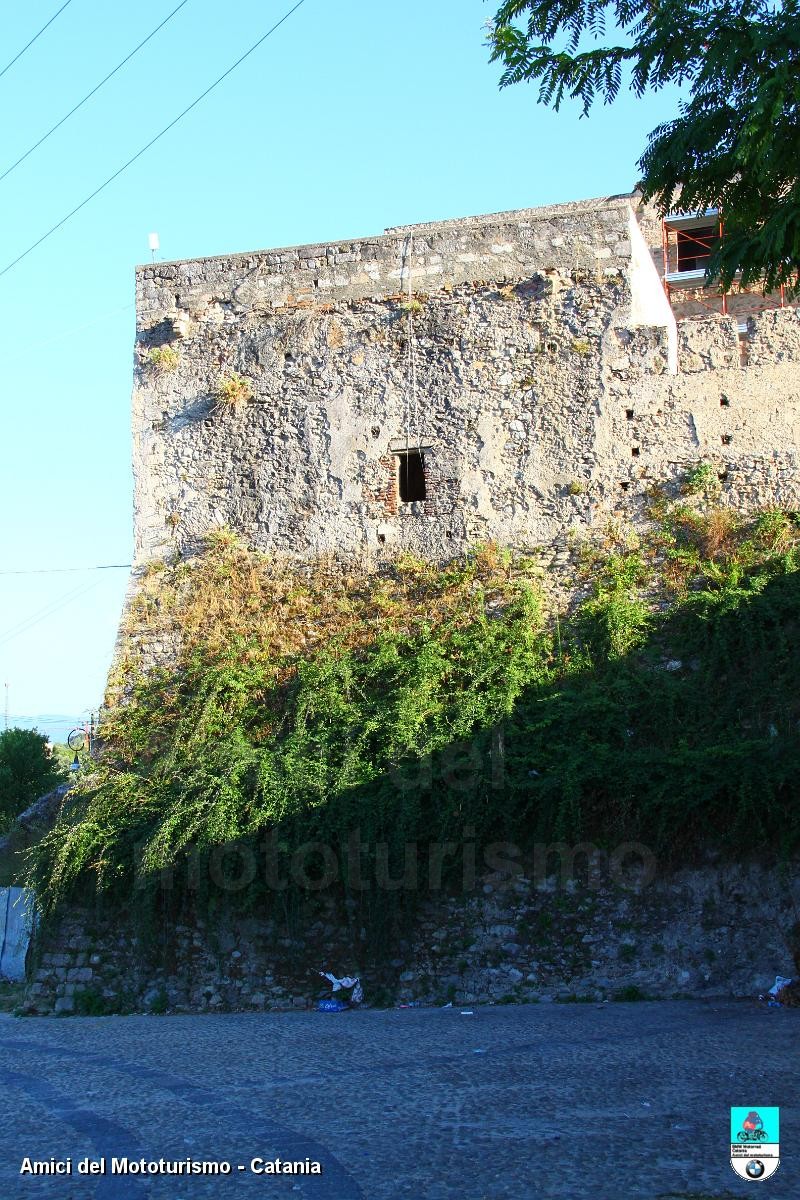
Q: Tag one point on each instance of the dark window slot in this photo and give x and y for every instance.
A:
(411, 475)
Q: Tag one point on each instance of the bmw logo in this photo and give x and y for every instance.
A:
(755, 1168)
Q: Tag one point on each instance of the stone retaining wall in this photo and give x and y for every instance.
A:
(705, 931)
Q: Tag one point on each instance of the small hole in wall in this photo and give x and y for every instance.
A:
(628, 414)
(382, 538)
(288, 356)
(552, 347)
(723, 476)
(448, 533)
(727, 438)
(625, 486)
(635, 451)
(375, 431)
(724, 402)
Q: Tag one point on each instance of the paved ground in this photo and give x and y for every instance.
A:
(619, 1102)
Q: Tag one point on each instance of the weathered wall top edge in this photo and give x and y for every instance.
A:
(541, 213)
(316, 249)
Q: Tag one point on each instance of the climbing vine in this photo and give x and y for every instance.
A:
(659, 704)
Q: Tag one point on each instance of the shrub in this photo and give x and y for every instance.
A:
(234, 390)
(701, 479)
(164, 358)
(629, 994)
(89, 1002)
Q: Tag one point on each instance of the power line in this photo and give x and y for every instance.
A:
(16, 57)
(67, 334)
(45, 720)
(69, 570)
(43, 613)
(153, 141)
(94, 90)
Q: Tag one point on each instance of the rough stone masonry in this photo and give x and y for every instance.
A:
(511, 377)
(508, 377)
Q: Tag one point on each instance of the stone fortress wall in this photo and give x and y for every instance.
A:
(553, 385)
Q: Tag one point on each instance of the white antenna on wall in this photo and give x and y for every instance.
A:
(154, 244)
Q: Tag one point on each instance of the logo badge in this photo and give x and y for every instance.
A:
(755, 1142)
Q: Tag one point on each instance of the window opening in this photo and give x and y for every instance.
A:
(694, 247)
(411, 475)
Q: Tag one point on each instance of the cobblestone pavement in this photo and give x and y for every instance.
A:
(611, 1102)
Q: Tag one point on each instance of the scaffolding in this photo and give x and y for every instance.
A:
(686, 245)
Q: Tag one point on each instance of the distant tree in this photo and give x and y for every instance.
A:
(27, 771)
(736, 142)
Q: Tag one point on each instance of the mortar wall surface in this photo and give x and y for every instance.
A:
(540, 401)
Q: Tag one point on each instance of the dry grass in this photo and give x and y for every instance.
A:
(231, 593)
(714, 534)
(234, 390)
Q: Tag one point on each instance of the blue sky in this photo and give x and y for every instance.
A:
(354, 116)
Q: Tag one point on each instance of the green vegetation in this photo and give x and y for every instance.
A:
(27, 771)
(735, 142)
(89, 1002)
(701, 479)
(234, 389)
(11, 995)
(628, 995)
(64, 757)
(164, 358)
(663, 708)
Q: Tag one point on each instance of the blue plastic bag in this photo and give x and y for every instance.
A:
(332, 1006)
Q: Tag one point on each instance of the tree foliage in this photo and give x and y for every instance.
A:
(27, 771)
(735, 144)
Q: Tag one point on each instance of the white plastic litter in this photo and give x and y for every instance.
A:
(347, 981)
(779, 983)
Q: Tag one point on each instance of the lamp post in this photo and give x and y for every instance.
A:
(81, 738)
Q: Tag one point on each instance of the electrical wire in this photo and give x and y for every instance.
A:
(14, 717)
(152, 141)
(16, 57)
(67, 334)
(93, 92)
(43, 613)
(69, 570)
